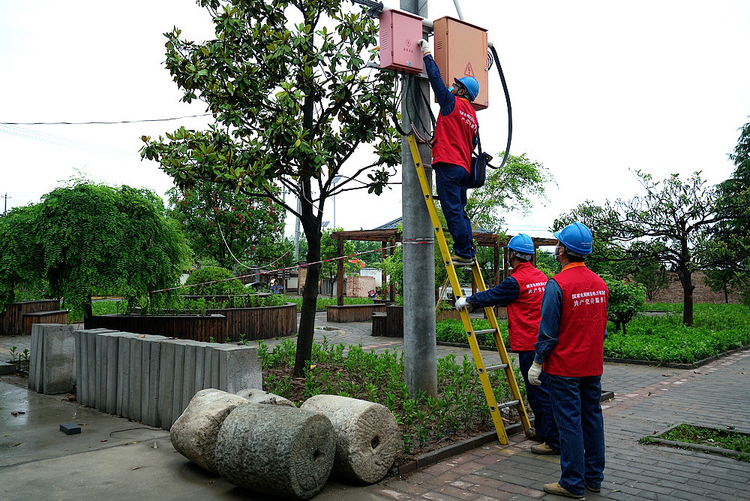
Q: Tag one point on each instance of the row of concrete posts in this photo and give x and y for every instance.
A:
(143, 377)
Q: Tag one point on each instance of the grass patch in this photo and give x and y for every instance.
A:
(717, 328)
(709, 437)
(427, 423)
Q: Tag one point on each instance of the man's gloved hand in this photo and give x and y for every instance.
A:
(535, 371)
(461, 303)
(424, 45)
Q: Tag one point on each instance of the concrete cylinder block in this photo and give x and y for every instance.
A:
(275, 449)
(257, 396)
(194, 433)
(367, 436)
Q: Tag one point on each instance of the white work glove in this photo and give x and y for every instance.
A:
(424, 45)
(461, 303)
(535, 371)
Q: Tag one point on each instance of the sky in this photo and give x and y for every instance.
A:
(598, 89)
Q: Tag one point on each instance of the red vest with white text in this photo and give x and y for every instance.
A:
(525, 313)
(454, 135)
(583, 321)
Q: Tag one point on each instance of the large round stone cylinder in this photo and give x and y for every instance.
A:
(275, 449)
(367, 436)
(257, 396)
(194, 433)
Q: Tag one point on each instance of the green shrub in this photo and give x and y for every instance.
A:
(626, 300)
(212, 281)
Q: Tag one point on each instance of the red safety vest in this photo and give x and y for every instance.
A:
(454, 135)
(579, 351)
(525, 313)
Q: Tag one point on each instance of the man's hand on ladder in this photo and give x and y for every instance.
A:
(461, 303)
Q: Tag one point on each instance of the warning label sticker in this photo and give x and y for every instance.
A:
(469, 71)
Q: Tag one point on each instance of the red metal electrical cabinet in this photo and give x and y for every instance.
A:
(461, 50)
(399, 33)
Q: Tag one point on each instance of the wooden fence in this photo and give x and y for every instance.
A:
(353, 312)
(217, 325)
(12, 316)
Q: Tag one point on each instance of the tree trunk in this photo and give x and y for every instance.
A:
(686, 277)
(687, 297)
(88, 310)
(306, 330)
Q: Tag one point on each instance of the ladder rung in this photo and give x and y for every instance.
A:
(505, 405)
(485, 331)
(491, 368)
(458, 264)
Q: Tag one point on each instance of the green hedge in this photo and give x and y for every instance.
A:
(717, 328)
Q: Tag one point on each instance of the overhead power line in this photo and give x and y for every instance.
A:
(115, 122)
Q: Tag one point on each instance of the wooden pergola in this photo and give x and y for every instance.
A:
(388, 234)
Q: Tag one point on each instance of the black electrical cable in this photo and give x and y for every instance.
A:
(507, 100)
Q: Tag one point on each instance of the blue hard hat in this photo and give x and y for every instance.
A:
(471, 85)
(576, 237)
(521, 243)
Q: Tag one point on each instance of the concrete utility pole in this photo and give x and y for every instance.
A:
(420, 350)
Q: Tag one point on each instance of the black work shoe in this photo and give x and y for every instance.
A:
(592, 488)
(560, 491)
(544, 450)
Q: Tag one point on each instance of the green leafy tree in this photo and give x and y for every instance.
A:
(293, 99)
(626, 300)
(90, 239)
(213, 281)
(727, 251)
(21, 253)
(514, 187)
(665, 225)
(227, 226)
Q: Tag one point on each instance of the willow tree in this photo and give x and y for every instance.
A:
(90, 239)
(292, 99)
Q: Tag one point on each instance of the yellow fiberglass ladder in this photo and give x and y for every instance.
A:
(482, 369)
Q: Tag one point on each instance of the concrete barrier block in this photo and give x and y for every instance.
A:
(239, 368)
(177, 379)
(58, 348)
(111, 388)
(80, 362)
(166, 384)
(135, 377)
(35, 358)
(188, 374)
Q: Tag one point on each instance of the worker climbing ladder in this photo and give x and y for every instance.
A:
(482, 369)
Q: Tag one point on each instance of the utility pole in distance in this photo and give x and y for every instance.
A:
(6, 197)
(420, 349)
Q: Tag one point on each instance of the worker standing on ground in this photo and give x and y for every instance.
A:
(570, 347)
(455, 136)
(522, 293)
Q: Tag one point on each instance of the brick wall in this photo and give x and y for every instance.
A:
(359, 286)
(701, 294)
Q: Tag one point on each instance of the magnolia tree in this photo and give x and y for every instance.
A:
(288, 85)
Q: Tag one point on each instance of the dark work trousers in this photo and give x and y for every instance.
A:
(578, 414)
(452, 181)
(544, 419)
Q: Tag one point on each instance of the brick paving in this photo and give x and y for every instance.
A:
(647, 400)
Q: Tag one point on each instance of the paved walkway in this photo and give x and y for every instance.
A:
(647, 400)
